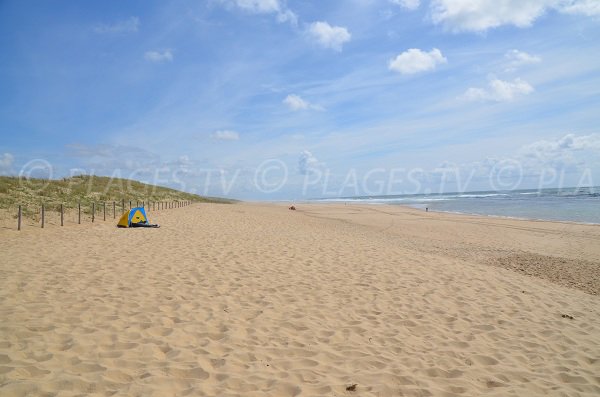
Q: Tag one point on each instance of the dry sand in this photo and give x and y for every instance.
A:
(256, 300)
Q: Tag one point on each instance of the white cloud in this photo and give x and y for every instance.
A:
(295, 102)
(569, 142)
(544, 160)
(518, 58)
(125, 26)
(258, 6)
(415, 61)
(265, 7)
(481, 15)
(159, 56)
(329, 36)
(307, 162)
(6, 161)
(408, 4)
(287, 16)
(568, 152)
(499, 91)
(585, 7)
(225, 135)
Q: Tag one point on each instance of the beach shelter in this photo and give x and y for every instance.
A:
(135, 217)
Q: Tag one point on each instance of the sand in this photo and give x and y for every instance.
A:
(256, 300)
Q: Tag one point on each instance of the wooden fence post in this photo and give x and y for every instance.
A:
(62, 215)
(93, 211)
(43, 216)
(129, 204)
(114, 210)
(79, 213)
(19, 219)
(104, 205)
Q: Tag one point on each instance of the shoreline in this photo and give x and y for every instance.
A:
(449, 212)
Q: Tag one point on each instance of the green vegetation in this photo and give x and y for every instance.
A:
(31, 193)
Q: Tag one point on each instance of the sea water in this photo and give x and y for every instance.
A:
(567, 204)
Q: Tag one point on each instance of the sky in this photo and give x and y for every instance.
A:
(284, 100)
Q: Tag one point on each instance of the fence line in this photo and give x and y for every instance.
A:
(43, 210)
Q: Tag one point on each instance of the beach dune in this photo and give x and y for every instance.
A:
(327, 300)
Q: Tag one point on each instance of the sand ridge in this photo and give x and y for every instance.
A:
(256, 300)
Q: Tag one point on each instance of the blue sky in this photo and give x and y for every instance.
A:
(273, 99)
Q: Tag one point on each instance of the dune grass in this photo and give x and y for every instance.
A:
(85, 189)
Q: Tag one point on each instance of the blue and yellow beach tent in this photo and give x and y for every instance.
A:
(135, 217)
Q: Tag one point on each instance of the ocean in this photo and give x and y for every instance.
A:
(580, 205)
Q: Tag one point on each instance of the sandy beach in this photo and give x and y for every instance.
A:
(329, 300)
